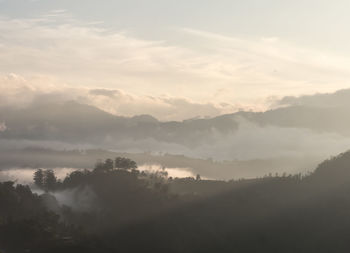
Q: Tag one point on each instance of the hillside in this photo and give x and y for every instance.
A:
(119, 210)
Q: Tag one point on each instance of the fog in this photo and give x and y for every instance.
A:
(170, 172)
(248, 142)
(300, 148)
(159, 126)
(81, 199)
(25, 175)
(302, 131)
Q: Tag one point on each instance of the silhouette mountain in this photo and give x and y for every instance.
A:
(80, 123)
(74, 122)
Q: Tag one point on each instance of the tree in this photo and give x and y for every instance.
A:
(198, 177)
(39, 178)
(109, 165)
(50, 180)
(98, 165)
(125, 163)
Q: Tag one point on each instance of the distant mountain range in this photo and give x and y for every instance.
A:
(308, 129)
(79, 123)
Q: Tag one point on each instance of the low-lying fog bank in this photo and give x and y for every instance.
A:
(25, 175)
(176, 165)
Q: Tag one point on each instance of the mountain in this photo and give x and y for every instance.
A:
(302, 131)
(79, 123)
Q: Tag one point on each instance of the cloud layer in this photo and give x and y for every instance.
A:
(19, 92)
(194, 65)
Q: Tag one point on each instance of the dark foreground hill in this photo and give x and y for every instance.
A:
(129, 211)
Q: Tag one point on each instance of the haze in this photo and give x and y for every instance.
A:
(174, 126)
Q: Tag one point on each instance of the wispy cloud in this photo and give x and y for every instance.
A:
(214, 69)
(276, 65)
(17, 91)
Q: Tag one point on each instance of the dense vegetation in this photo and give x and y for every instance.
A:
(51, 158)
(116, 208)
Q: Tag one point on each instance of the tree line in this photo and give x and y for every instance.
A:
(134, 212)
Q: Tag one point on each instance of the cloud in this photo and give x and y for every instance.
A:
(84, 54)
(340, 98)
(165, 108)
(19, 92)
(105, 92)
(249, 142)
(274, 66)
(198, 68)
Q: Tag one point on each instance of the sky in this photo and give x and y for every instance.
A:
(201, 56)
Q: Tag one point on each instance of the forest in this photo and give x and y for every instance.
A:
(114, 207)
